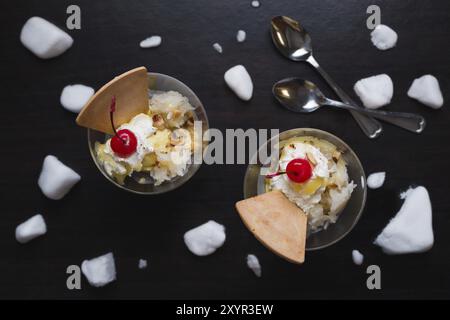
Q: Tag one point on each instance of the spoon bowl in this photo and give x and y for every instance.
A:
(290, 38)
(293, 42)
(298, 95)
(303, 96)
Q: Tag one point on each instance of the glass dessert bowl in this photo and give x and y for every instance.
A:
(165, 145)
(320, 174)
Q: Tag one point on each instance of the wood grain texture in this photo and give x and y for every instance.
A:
(96, 217)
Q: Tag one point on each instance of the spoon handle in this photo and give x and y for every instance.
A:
(409, 121)
(371, 127)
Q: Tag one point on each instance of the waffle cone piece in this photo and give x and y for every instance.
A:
(131, 91)
(277, 223)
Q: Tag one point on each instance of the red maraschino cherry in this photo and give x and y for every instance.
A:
(124, 142)
(298, 170)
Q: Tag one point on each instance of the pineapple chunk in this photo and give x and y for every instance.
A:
(149, 161)
(160, 140)
(340, 177)
(310, 187)
(120, 178)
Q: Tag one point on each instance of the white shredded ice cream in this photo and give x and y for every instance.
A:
(321, 203)
(171, 102)
(164, 145)
(142, 127)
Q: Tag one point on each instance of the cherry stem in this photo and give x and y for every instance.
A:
(112, 109)
(270, 176)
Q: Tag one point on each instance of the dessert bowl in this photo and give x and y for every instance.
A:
(138, 182)
(255, 184)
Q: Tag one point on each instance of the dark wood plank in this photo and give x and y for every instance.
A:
(96, 217)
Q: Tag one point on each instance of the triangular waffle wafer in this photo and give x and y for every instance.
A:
(278, 223)
(131, 91)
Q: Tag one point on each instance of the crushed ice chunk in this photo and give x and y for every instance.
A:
(151, 42)
(411, 229)
(74, 97)
(205, 239)
(357, 257)
(253, 264)
(99, 271)
(375, 91)
(142, 264)
(376, 180)
(30, 229)
(44, 39)
(255, 3)
(238, 79)
(383, 37)
(405, 193)
(427, 91)
(217, 47)
(241, 36)
(56, 179)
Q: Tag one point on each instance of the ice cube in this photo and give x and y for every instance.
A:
(151, 42)
(205, 239)
(411, 229)
(405, 193)
(426, 90)
(241, 35)
(375, 91)
(357, 257)
(56, 179)
(74, 97)
(238, 79)
(217, 47)
(142, 264)
(376, 180)
(383, 37)
(253, 264)
(44, 39)
(30, 229)
(99, 271)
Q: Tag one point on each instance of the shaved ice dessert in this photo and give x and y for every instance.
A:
(162, 141)
(312, 174)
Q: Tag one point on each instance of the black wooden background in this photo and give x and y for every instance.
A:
(96, 217)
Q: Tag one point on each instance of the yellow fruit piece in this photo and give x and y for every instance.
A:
(120, 178)
(310, 187)
(160, 140)
(149, 161)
